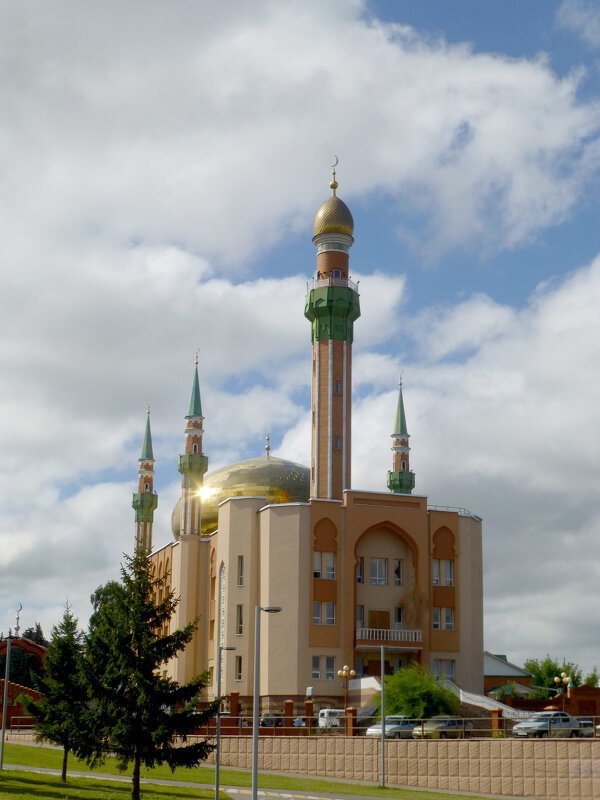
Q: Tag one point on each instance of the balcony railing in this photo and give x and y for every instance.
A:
(389, 635)
(322, 282)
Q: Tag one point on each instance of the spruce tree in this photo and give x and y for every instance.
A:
(141, 716)
(61, 714)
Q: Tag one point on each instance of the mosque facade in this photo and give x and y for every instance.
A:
(350, 570)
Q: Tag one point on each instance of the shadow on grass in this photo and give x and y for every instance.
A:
(25, 786)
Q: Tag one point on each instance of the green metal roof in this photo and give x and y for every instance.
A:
(400, 424)
(147, 446)
(195, 404)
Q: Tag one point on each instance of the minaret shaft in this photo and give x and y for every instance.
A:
(332, 413)
(145, 500)
(192, 465)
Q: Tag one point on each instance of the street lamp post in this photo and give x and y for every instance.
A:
(345, 674)
(383, 715)
(564, 680)
(218, 747)
(256, 698)
(5, 697)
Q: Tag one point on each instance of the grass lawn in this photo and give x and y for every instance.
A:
(29, 786)
(36, 756)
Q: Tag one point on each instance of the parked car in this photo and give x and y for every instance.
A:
(548, 723)
(442, 727)
(397, 726)
(331, 717)
(274, 720)
(586, 728)
(300, 722)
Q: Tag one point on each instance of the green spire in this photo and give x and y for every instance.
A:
(147, 454)
(195, 404)
(400, 424)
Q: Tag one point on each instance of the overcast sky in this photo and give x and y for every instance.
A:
(160, 168)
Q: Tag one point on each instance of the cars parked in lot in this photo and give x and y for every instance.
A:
(397, 726)
(548, 723)
(273, 720)
(442, 727)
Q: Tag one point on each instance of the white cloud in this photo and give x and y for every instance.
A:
(583, 18)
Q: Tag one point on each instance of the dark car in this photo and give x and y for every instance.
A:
(274, 720)
(300, 722)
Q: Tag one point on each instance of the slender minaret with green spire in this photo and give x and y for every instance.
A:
(332, 306)
(400, 479)
(145, 500)
(193, 464)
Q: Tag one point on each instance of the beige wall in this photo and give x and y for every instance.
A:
(557, 770)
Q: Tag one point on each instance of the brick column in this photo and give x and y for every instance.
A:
(497, 721)
(288, 713)
(351, 728)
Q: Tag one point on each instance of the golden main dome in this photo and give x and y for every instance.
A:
(275, 479)
(333, 216)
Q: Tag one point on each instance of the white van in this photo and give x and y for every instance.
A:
(331, 717)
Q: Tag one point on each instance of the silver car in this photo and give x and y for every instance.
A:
(548, 723)
(397, 726)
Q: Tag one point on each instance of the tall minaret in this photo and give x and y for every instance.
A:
(193, 464)
(146, 499)
(332, 305)
(400, 479)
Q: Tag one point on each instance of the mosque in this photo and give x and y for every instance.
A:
(350, 570)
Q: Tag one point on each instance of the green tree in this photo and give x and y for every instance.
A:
(23, 666)
(544, 671)
(592, 677)
(138, 713)
(415, 692)
(61, 714)
(36, 634)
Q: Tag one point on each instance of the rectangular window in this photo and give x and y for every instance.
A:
(337, 273)
(398, 618)
(435, 571)
(329, 668)
(437, 669)
(378, 571)
(316, 613)
(239, 619)
(329, 566)
(360, 570)
(240, 571)
(360, 616)
(360, 667)
(449, 670)
(397, 572)
(316, 668)
(448, 573)
(316, 564)
(436, 619)
(336, 442)
(449, 619)
(329, 613)
(238, 668)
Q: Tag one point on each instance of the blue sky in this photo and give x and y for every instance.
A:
(161, 169)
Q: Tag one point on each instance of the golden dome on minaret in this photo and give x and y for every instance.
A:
(334, 215)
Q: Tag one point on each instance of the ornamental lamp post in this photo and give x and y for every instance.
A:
(345, 674)
(564, 680)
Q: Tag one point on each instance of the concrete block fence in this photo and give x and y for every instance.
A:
(562, 769)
